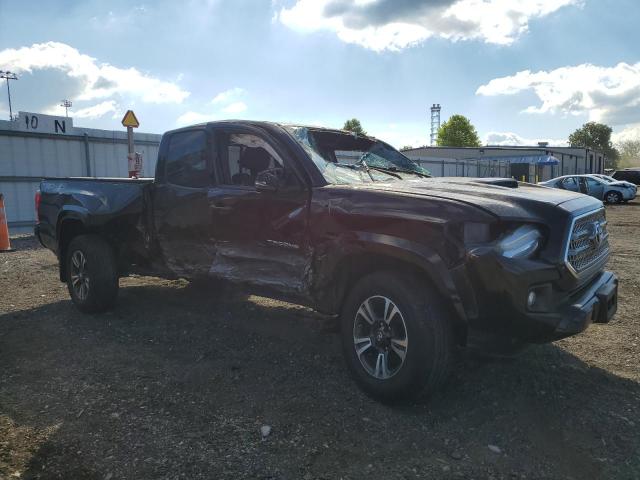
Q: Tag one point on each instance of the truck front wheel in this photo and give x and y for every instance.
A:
(396, 336)
(92, 275)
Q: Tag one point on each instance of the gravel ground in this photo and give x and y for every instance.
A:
(178, 382)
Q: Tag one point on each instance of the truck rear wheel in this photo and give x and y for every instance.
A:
(92, 275)
(396, 336)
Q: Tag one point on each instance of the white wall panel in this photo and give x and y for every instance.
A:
(25, 155)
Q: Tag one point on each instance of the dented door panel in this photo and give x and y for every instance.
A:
(259, 237)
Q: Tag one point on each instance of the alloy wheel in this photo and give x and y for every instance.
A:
(79, 275)
(612, 198)
(380, 337)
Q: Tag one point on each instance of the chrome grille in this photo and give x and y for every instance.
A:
(589, 241)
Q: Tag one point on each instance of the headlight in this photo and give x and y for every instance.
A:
(520, 243)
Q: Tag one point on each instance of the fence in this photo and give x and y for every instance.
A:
(530, 172)
(465, 168)
(28, 156)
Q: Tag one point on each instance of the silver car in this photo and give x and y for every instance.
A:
(602, 187)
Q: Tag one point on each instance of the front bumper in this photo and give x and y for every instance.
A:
(598, 304)
(629, 193)
(565, 306)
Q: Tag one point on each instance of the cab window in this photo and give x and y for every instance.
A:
(186, 161)
(243, 156)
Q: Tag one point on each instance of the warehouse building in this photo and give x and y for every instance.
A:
(531, 164)
(36, 145)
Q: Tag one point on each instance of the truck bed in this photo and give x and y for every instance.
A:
(114, 204)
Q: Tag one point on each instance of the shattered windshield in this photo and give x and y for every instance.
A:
(343, 158)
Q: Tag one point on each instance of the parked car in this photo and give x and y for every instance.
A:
(629, 174)
(595, 186)
(609, 179)
(412, 266)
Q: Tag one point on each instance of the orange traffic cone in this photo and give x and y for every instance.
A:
(5, 245)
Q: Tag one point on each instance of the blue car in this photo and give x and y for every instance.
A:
(602, 187)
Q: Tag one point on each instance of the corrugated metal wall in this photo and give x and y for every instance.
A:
(447, 167)
(26, 157)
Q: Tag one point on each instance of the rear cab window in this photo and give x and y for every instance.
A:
(186, 161)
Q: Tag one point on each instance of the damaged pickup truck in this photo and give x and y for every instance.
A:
(412, 266)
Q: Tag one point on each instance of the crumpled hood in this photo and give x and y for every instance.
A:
(622, 183)
(526, 201)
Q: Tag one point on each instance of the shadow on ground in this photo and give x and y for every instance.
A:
(177, 381)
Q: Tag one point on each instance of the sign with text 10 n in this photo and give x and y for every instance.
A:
(41, 123)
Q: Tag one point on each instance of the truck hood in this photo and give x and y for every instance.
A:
(502, 197)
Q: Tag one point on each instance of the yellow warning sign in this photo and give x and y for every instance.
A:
(130, 120)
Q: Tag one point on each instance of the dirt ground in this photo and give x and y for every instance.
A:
(177, 383)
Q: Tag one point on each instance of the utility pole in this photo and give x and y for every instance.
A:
(9, 76)
(67, 105)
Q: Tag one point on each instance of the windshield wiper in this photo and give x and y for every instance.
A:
(366, 166)
(355, 166)
(395, 170)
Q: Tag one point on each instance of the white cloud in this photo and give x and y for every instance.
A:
(95, 111)
(228, 95)
(606, 94)
(510, 138)
(98, 81)
(392, 25)
(629, 132)
(191, 117)
(227, 102)
(235, 107)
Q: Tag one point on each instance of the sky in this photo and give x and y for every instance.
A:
(522, 71)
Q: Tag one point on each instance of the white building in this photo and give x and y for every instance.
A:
(536, 163)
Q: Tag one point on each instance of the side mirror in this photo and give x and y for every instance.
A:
(269, 180)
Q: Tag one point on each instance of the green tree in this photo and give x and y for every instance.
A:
(458, 132)
(353, 125)
(596, 136)
(406, 147)
(629, 153)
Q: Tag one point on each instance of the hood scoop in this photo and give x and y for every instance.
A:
(499, 182)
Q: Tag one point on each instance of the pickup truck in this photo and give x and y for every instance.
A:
(410, 266)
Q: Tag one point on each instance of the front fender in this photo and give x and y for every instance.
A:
(339, 254)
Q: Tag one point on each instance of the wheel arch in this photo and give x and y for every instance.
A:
(69, 226)
(397, 256)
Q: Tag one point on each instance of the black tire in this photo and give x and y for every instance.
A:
(430, 347)
(100, 269)
(613, 197)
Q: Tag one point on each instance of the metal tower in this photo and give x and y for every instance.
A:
(67, 104)
(9, 76)
(435, 122)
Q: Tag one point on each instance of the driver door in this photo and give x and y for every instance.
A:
(260, 235)
(595, 188)
(570, 183)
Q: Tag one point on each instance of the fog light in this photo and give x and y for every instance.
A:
(531, 299)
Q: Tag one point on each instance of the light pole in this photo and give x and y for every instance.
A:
(67, 105)
(9, 76)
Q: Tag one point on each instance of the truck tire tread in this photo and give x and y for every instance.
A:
(103, 273)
